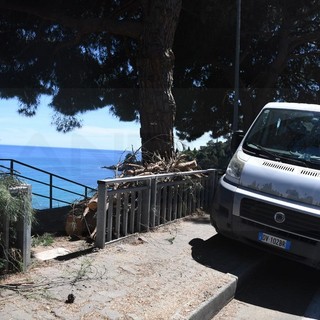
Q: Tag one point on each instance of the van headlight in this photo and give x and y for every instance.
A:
(234, 169)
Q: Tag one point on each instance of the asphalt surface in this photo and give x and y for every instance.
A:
(183, 270)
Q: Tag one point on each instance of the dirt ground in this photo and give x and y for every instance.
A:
(151, 275)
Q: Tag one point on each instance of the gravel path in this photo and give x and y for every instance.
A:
(146, 276)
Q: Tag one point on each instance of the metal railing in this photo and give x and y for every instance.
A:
(11, 166)
(134, 204)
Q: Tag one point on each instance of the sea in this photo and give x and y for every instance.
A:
(83, 166)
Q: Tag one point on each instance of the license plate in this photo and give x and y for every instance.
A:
(274, 241)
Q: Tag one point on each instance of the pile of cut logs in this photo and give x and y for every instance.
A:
(81, 220)
(160, 167)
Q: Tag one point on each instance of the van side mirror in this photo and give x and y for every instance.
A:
(236, 138)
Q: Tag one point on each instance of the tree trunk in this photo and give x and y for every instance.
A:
(155, 67)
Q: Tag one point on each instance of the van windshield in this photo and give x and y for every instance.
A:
(291, 136)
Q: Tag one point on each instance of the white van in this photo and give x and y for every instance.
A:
(269, 196)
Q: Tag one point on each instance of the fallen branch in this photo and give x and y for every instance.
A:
(85, 224)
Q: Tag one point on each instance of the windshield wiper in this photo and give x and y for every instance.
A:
(263, 152)
(277, 157)
(294, 161)
(313, 163)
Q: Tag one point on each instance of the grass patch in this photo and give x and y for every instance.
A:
(44, 240)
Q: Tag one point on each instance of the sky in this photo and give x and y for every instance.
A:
(100, 130)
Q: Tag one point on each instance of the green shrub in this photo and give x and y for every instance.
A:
(45, 240)
(216, 154)
(12, 207)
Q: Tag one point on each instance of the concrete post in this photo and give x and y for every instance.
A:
(6, 238)
(101, 215)
(24, 224)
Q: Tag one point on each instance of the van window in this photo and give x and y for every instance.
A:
(291, 136)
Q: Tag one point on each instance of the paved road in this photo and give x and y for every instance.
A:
(280, 290)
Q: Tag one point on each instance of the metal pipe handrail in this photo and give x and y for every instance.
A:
(46, 172)
(55, 199)
(51, 186)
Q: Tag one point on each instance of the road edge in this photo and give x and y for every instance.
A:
(212, 306)
(208, 309)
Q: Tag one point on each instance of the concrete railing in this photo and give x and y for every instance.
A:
(135, 204)
(22, 229)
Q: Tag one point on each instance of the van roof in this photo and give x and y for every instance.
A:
(293, 106)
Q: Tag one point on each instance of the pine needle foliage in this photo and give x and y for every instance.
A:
(14, 204)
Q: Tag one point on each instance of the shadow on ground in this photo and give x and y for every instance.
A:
(276, 283)
(224, 255)
(282, 285)
(76, 254)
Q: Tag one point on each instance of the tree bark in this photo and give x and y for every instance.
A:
(155, 67)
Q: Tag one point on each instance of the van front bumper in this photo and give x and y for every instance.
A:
(231, 218)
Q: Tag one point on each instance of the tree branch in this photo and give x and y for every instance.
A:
(303, 39)
(130, 29)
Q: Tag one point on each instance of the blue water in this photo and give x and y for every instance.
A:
(81, 165)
